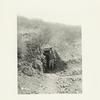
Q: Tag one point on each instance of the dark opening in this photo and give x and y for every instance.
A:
(47, 60)
(52, 64)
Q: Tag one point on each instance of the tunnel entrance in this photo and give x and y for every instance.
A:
(52, 63)
(49, 63)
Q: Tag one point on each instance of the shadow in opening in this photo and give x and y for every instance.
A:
(59, 64)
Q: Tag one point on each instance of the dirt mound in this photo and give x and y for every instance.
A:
(29, 71)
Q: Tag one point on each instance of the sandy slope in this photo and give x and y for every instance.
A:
(56, 84)
(49, 84)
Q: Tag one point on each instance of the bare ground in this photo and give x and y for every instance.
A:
(67, 81)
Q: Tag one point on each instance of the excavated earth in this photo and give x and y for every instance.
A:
(68, 80)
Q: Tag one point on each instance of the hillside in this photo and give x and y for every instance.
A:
(65, 39)
(34, 34)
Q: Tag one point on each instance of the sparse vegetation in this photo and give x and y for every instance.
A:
(33, 35)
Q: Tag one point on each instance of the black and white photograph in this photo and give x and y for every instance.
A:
(49, 50)
(49, 57)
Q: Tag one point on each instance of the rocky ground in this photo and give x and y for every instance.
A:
(65, 81)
